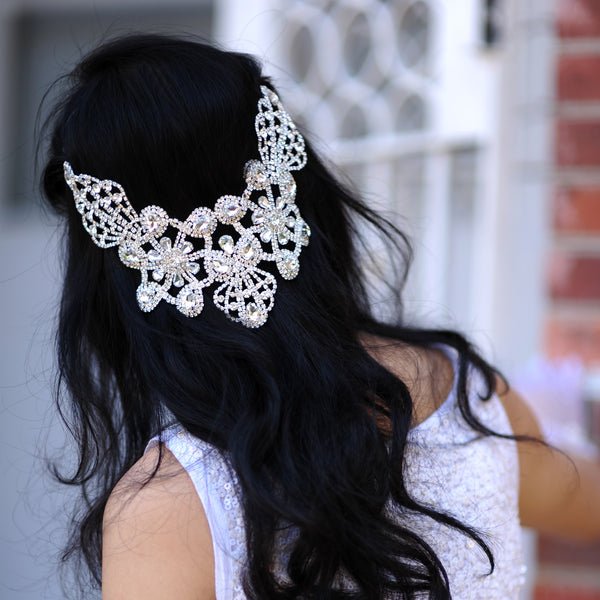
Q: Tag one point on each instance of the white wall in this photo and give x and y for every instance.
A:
(38, 40)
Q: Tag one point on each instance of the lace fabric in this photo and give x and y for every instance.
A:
(448, 466)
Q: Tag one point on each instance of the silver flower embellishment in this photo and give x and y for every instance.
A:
(176, 261)
(275, 220)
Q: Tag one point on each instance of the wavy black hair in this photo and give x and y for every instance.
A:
(295, 405)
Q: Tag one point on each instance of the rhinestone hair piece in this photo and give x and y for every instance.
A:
(264, 225)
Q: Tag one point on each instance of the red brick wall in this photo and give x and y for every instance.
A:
(573, 323)
(574, 268)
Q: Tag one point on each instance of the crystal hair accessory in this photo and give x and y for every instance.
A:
(264, 225)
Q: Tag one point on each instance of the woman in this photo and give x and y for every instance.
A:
(246, 426)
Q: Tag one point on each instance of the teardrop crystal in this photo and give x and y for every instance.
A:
(290, 267)
(129, 256)
(148, 295)
(220, 266)
(247, 250)
(288, 264)
(304, 234)
(178, 280)
(200, 224)
(189, 300)
(227, 244)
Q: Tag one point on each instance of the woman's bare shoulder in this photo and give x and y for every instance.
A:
(427, 372)
(156, 540)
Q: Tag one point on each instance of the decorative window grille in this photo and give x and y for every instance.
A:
(363, 81)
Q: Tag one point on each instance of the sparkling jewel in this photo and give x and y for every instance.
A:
(165, 243)
(178, 280)
(252, 311)
(263, 202)
(148, 296)
(187, 247)
(201, 222)
(190, 301)
(154, 219)
(304, 234)
(247, 250)
(279, 202)
(227, 244)
(220, 265)
(129, 256)
(158, 274)
(232, 209)
(288, 265)
(255, 173)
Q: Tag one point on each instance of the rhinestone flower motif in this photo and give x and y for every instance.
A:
(173, 261)
(274, 222)
(265, 221)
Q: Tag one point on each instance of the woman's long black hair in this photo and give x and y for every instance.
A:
(295, 405)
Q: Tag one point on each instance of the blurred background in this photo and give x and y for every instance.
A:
(475, 124)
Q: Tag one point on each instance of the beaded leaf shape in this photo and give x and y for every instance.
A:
(264, 225)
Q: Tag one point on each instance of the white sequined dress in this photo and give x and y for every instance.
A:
(448, 467)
